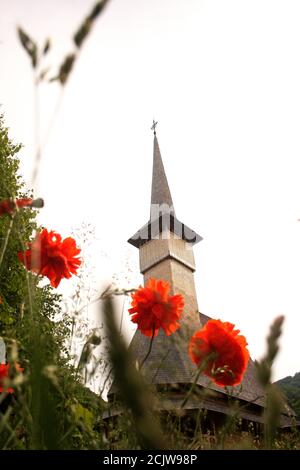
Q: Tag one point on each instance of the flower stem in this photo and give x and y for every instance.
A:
(150, 348)
(201, 368)
(4, 246)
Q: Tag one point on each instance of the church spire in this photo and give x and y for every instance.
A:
(162, 212)
(160, 193)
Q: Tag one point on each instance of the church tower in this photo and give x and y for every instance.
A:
(166, 252)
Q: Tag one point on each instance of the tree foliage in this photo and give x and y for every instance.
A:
(50, 408)
(291, 388)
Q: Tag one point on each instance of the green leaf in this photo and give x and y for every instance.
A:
(85, 356)
(97, 9)
(86, 25)
(82, 32)
(29, 46)
(47, 46)
(66, 68)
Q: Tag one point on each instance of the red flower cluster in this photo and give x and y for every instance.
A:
(9, 205)
(153, 308)
(4, 372)
(232, 356)
(49, 255)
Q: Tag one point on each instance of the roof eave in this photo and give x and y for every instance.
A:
(167, 221)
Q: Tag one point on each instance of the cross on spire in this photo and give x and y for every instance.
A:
(153, 128)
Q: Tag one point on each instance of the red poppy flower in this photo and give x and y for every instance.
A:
(231, 355)
(8, 205)
(51, 256)
(153, 308)
(4, 369)
(4, 372)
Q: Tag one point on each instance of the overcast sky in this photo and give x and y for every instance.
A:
(223, 80)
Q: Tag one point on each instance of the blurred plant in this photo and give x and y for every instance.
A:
(41, 72)
(274, 403)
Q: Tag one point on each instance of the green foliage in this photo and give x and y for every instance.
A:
(36, 54)
(12, 232)
(87, 24)
(50, 408)
(29, 46)
(291, 388)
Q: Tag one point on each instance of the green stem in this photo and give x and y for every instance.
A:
(150, 348)
(4, 246)
(201, 368)
(40, 146)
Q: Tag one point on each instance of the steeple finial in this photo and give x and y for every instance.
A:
(153, 128)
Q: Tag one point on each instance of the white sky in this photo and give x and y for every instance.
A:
(223, 80)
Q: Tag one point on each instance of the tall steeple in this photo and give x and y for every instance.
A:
(160, 193)
(166, 252)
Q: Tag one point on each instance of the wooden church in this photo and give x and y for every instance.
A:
(165, 247)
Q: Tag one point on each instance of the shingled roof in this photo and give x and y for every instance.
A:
(169, 365)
